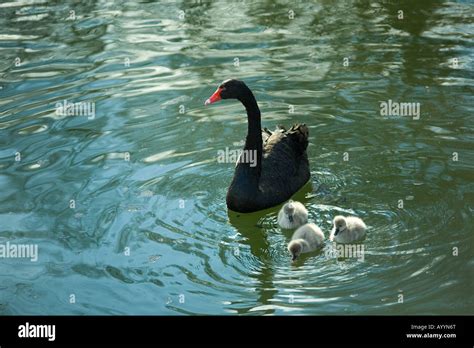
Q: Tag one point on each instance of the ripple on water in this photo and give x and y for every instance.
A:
(148, 220)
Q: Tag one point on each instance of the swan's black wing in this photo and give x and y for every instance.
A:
(284, 170)
(285, 167)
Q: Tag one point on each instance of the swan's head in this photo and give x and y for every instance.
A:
(289, 210)
(229, 89)
(339, 224)
(295, 249)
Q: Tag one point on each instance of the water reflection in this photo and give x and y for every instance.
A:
(148, 68)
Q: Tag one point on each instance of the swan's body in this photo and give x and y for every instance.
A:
(292, 215)
(282, 163)
(347, 229)
(307, 238)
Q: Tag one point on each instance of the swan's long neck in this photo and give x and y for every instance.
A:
(253, 142)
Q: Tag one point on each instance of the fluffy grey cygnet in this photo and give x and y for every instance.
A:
(307, 238)
(292, 215)
(347, 229)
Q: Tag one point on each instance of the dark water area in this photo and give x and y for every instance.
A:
(126, 203)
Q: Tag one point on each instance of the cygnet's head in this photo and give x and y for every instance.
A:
(295, 249)
(289, 210)
(339, 224)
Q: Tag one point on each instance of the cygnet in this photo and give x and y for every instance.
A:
(347, 229)
(292, 215)
(307, 238)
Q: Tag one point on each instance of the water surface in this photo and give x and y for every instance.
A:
(148, 231)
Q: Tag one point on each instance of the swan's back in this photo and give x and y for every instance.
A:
(285, 166)
(284, 170)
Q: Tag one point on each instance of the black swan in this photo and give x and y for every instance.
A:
(282, 166)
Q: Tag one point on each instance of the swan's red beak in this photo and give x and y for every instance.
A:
(215, 97)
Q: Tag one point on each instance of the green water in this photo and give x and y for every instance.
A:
(148, 231)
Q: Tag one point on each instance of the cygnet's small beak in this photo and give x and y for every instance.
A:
(290, 217)
(336, 232)
(294, 257)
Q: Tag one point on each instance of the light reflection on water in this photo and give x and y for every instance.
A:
(141, 64)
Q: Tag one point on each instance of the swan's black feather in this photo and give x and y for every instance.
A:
(285, 169)
(281, 167)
